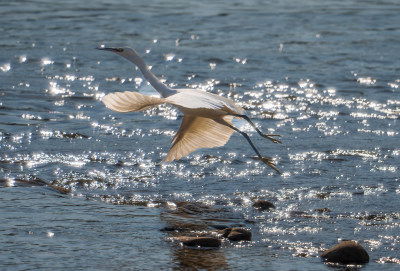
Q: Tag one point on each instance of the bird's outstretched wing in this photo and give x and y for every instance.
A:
(197, 132)
(130, 101)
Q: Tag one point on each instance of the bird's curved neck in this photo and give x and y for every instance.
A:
(150, 77)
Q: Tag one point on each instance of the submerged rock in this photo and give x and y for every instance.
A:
(322, 210)
(323, 195)
(236, 234)
(59, 189)
(171, 229)
(299, 214)
(33, 181)
(199, 241)
(347, 252)
(263, 205)
(220, 227)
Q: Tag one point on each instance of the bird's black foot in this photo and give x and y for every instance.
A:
(268, 162)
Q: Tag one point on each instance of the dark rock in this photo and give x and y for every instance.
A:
(263, 205)
(323, 195)
(236, 234)
(195, 208)
(322, 210)
(299, 214)
(170, 229)
(59, 189)
(239, 234)
(377, 217)
(225, 232)
(358, 193)
(219, 227)
(33, 181)
(347, 252)
(199, 241)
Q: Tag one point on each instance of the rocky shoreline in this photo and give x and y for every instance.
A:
(193, 225)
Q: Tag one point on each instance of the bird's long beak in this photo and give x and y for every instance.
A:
(115, 50)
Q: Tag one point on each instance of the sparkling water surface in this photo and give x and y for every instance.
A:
(323, 75)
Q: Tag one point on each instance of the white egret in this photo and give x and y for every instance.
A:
(207, 120)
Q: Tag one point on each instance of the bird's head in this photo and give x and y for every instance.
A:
(122, 51)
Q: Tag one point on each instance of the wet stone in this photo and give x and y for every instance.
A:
(59, 189)
(322, 210)
(373, 217)
(171, 229)
(263, 205)
(72, 135)
(236, 234)
(33, 181)
(219, 227)
(347, 252)
(323, 195)
(199, 241)
(299, 214)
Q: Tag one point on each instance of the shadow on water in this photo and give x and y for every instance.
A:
(192, 219)
(200, 259)
(197, 220)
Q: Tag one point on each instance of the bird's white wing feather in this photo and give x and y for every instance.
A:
(197, 132)
(130, 101)
(197, 99)
(194, 99)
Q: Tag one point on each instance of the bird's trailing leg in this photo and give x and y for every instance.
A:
(268, 136)
(266, 160)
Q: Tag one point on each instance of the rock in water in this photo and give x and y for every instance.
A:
(236, 234)
(263, 205)
(347, 252)
(199, 241)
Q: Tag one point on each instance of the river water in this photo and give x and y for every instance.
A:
(82, 187)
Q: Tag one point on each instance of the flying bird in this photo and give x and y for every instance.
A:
(207, 117)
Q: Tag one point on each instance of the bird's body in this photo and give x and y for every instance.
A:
(207, 120)
(203, 104)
